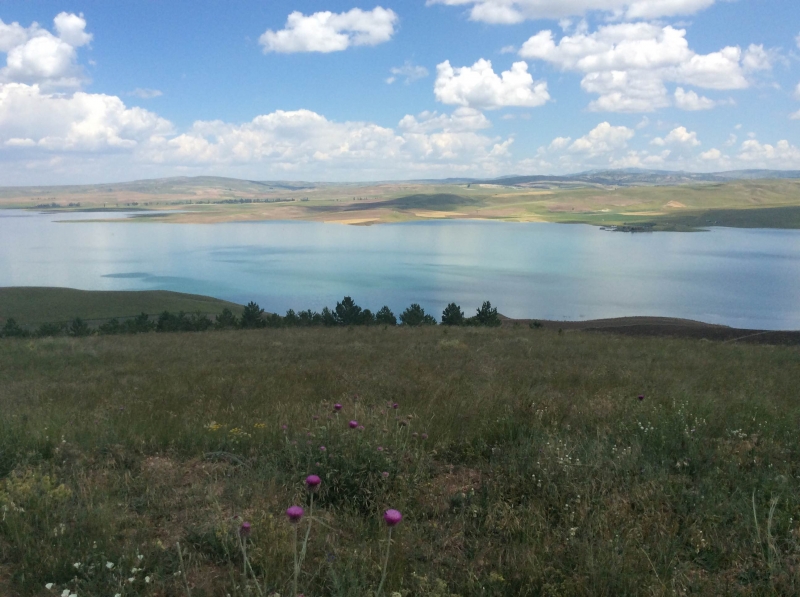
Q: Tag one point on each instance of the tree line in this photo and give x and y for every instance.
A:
(345, 313)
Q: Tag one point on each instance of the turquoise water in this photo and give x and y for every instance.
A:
(743, 278)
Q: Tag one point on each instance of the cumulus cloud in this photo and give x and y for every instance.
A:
(82, 122)
(678, 136)
(795, 115)
(559, 143)
(331, 32)
(516, 11)
(604, 138)
(409, 72)
(689, 100)
(711, 155)
(781, 155)
(628, 64)
(478, 86)
(37, 56)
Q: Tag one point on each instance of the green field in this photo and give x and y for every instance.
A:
(541, 472)
(35, 305)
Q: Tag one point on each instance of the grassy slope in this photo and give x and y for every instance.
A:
(543, 473)
(34, 305)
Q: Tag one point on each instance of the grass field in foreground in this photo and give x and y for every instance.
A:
(35, 305)
(541, 472)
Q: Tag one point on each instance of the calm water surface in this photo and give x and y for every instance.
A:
(743, 278)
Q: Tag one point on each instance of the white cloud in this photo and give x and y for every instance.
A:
(689, 100)
(409, 72)
(516, 11)
(36, 56)
(37, 127)
(462, 119)
(795, 115)
(781, 155)
(478, 86)
(628, 64)
(72, 29)
(797, 92)
(559, 143)
(82, 122)
(756, 58)
(711, 155)
(604, 138)
(145, 93)
(681, 136)
(331, 32)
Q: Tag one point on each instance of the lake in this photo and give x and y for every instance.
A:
(739, 277)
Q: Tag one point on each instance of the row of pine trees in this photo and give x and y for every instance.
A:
(346, 313)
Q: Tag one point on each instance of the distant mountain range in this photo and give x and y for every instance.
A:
(604, 178)
(638, 177)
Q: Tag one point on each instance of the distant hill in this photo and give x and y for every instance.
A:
(639, 177)
(30, 305)
(179, 185)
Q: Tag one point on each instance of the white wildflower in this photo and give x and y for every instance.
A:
(48, 586)
(109, 565)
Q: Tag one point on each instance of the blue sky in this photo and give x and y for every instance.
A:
(93, 91)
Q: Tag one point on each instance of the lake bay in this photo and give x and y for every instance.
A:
(746, 278)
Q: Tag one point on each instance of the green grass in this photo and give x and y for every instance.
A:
(35, 305)
(543, 474)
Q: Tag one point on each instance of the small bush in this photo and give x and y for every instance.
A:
(226, 320)
(49, 329)
(11, 329)
(78, 328)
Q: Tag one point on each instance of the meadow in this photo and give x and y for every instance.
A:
(524, 461)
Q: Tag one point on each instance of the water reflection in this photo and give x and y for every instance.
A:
(745, 278)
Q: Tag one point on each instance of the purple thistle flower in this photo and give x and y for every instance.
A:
(641, 397)
(294, 514)
(385, 474)
(380, 448)
(361, 428)
(395, 406)
(244, 530)
(353, 424)
(284, 427)
(315, 417)
(312, 482)
(424, 436)
(337, 407)
(322, 448)
(392, 517)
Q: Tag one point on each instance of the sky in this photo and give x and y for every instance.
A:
(93, 91)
